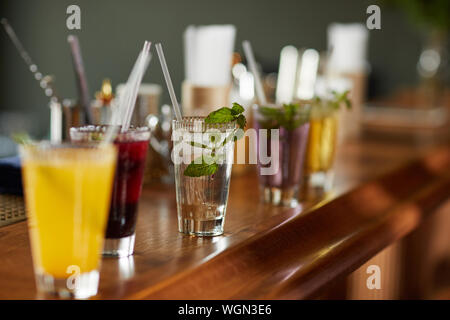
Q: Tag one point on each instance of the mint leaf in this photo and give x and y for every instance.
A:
(348, 104)
(273, 117)
(223, 115)
(96, 136)
(21, 138)
(290, 109)
(289, 116)
(237, 109)
(241, 121)
(340, 98)
(344, 98)
(200, 169)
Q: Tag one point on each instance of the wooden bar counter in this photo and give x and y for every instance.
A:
(384, 190)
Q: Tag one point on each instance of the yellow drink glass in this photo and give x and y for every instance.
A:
(320, 151)
(67, 193)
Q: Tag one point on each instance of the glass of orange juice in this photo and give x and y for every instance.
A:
(67, 193)
(320, 152)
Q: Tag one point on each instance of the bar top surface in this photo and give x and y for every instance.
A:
(383, 190)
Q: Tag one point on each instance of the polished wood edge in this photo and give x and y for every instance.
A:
(296, 258)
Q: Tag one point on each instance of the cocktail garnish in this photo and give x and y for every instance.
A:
(226, 115)
(21, 138)
(339, 99)
(208, 164)
(290, 116)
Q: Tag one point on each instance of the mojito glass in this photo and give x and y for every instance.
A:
(281, 186)
(202, 200)
(132, 148)
(67, 192)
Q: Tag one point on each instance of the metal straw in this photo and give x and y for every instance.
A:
(81, 77)
(44, 81)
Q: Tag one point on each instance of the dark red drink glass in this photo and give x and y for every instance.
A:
(132, 151)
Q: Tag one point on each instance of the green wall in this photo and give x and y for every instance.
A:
(113, 32)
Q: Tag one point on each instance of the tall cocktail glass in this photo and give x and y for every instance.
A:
(282, 134)
(67, 192)
(202, 200)
(320, 152)
(132, 150)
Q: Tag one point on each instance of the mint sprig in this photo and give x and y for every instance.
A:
(341, 98)
(226, 115)
(338, 99)
(205, 168)
(289, 116)
(21, 138)
(208, 164)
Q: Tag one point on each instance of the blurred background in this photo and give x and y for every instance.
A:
(398, 75)
(113, 32)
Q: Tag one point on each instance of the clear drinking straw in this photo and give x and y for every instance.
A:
(165, 70)
(252, 64)
(143, 61)
(127, 102)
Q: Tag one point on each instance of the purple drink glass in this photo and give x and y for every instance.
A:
(282, 186)
(132, 150)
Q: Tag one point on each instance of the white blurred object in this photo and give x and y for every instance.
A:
(325, 86)
(347, 69)
(286, 75)
(208, 54)
(243, 89)
(238, 69)
(247, 86)
(348, 46)
(56, 121)
(149, 89)
(307, 74)
(254, 69)
(147, 101)
(429, 62)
